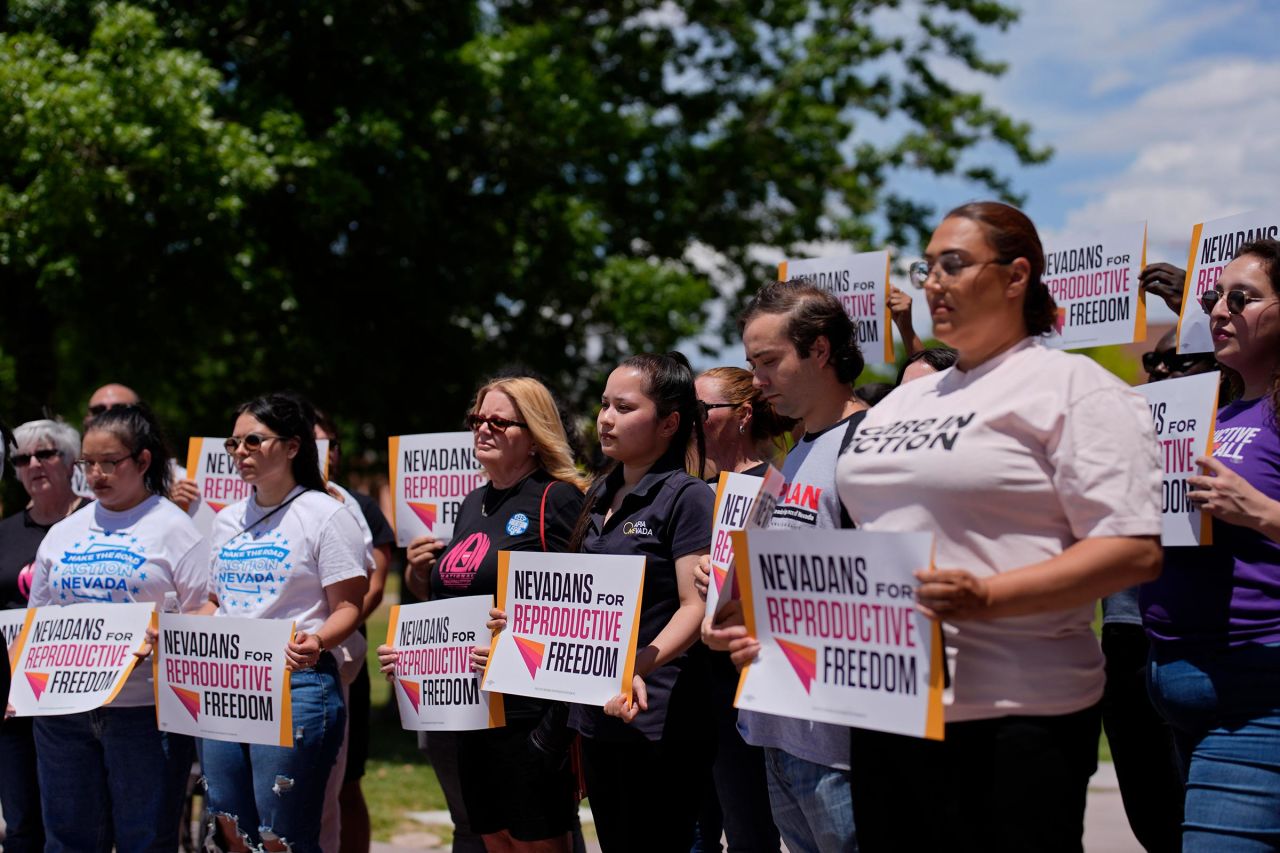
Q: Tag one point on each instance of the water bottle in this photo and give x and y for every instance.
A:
(170, 603)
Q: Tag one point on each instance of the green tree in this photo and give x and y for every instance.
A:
(377, 203)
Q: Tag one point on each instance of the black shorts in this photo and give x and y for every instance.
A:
(507, 784)
(357, 726)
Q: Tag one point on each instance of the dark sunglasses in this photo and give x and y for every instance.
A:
(496, 424)
(22, 460)
(1236, 300)
(1173, 361)
(99, 408)
(707, 407)
(251, 442)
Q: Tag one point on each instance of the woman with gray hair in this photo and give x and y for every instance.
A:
(45, 457)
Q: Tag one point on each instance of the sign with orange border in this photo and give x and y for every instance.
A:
(11, 622)
(572, 624)
(75, 658)
(430, 475)
(861, 283)
(1213, 245)
(1184, 412)
(1093, 277)
(840, 638)
(742, 501)
(436, 689)
(223, 678)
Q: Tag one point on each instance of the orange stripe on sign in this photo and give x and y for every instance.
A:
(742, 577)
(1140, 316)
(782, 271)
(888, 316)
(1186, 285)
(629, 671)
(393, 455)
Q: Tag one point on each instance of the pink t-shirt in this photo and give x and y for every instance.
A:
(1008, 465)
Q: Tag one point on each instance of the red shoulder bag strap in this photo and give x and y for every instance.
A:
(542, 516)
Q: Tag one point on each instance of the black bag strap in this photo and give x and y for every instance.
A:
(855, 420)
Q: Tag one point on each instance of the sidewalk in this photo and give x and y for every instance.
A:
(1105, 828)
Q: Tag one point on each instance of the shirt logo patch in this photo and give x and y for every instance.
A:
(517, 524)
(95, 569)
(636, 528)
(461, 563)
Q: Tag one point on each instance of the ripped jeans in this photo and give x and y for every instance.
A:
(275, 794)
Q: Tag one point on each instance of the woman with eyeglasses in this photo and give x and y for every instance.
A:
(44, 462)
(739, 424)
(1037, 473)
(314, 574)
(1213, 616)
(512, 786)
(131, 545)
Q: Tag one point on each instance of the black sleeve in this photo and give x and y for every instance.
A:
(564, 504)
(378, 526)
(691, 519)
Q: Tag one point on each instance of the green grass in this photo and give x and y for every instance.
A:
(398, 778)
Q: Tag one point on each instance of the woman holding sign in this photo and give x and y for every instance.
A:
(514, 783)
(1037, 473)
(288, 551)
(109, 776)
(1214, 614)
(650, 754)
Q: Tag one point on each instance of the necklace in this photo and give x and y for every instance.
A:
(502, 495)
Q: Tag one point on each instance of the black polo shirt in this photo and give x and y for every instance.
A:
(667, 516)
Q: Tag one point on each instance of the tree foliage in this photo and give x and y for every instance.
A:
(378, 203)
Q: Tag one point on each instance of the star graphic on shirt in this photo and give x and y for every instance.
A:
(142, 576)
(271, 590)
(288, 565)
(92, 537)
(134, 590)
(75, 545)
(109, 532)
(133, 539)
(259, 599)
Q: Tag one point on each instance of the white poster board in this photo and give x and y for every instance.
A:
(861, 283)
(430, 475)
(1213, 246)
(1183, 412)
(1094, 281)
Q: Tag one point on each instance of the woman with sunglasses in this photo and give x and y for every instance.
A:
(512, 786)
(44, 462)
(1037, 473)
(740, 427)
(271, 797)
(131, 545)
(1214, 614)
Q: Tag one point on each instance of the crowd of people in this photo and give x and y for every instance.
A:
(1043, 499)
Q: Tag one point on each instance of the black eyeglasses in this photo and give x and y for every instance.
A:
(22, 460)
(948, 265)
(1237, 300)
(496, 424)
(106, 466)
(1173, 361)
(251, 442)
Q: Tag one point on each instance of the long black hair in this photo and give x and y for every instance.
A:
(7, 445)
(290, 415)
(668, 382)
(138, 430)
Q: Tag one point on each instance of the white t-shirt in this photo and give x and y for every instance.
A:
(275, 565)
(97, 555)
(365, 533)
(1009, 464)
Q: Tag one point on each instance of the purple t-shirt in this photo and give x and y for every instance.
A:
(1227, 593)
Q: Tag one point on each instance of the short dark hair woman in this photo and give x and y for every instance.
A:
(1037, 473)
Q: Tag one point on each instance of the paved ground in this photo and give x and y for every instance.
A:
(1105, 831)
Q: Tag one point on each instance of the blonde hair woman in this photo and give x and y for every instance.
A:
(512, 786)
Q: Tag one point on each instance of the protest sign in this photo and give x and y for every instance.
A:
(572, 621)
(840, 638)
(861, 283)
(1183, 412)
(1213, 245)
(75, 658)
(436, 688)
(11, 622)
(1094, 281)
(224, 678)
(430, 475)
(217, 478)
(742, 501)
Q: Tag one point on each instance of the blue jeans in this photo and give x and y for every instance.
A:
(811, 803)
(19, 787)
(1224, 707)
(110, 777)
(275, 792)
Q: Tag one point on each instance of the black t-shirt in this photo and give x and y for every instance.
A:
(536, 514)
(667, 516)
(382, 532)
(20, 538)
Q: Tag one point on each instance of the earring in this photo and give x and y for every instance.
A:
(742, 428)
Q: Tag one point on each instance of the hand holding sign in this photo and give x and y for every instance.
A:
(622, 705)
(1227, 496)
(1165, 281)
